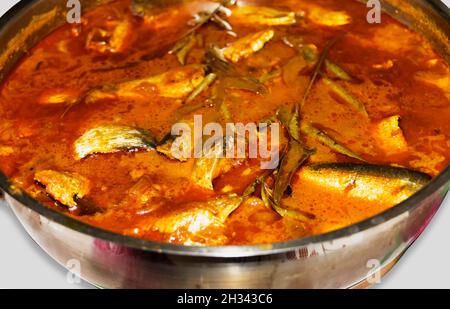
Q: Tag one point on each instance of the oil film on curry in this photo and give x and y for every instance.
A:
(226, 123)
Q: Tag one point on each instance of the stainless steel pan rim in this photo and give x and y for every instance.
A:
(442, 180)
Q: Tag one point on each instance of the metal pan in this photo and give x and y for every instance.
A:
(350, 257)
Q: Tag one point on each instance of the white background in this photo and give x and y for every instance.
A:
(24, 265)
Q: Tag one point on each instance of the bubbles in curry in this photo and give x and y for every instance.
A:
(87, 117)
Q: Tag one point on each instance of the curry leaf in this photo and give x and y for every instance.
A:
(328, 141)
(295, 156)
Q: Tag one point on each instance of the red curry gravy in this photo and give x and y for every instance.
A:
(46, 105)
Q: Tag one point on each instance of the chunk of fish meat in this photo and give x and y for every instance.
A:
(247, 45)
(198, 216)
(167, 149)
(206, 168)
(178, 147)
(63, 187)
(176, 84)
(112, 40)
(329, 18)
(263, 16)
(112, 138)
(368, 182)
(390, 136)
(211, 165)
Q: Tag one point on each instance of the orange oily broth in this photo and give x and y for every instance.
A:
(41, 139)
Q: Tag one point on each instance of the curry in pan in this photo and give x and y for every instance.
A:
(363, 111)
